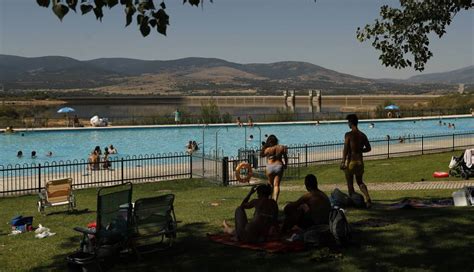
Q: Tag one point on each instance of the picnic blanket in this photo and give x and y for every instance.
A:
(408, 203)
(274, 246)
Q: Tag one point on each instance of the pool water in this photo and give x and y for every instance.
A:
(78, 144)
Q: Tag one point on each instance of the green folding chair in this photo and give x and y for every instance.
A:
(154, 223)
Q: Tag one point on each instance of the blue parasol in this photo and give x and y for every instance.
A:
(392, 107)
(66, 110)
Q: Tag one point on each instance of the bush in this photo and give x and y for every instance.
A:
(284, 115)
(210, 112)
(9, 112)
(227, 118)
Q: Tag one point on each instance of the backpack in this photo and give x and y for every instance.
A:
(339, 227)
(340, 199)
(358, 200)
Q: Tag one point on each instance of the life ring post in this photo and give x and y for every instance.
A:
(243, 172)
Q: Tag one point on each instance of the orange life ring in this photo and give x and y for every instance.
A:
(245, 178)
(440, 175)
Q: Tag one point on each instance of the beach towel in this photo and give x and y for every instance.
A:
(275, 246)
(417, 203)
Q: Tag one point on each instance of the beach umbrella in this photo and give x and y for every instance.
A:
(66, 110)
(392, 107)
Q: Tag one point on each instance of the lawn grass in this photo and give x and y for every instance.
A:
(403, 169)
(438, 239)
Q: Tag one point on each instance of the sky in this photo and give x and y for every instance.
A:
(243, 31)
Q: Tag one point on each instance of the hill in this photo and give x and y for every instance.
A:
(194, 75)
(51, 72)
(463, 75)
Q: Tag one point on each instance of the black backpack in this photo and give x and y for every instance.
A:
(339, 227)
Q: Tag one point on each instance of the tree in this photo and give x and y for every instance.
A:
(398, 33)
(403, 31)
(147, 14)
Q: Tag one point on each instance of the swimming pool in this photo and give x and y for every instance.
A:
(78, 143)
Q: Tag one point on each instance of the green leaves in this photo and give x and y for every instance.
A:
(163, 21)
(98, 13)
(194, 2)
(43, 3)
(129, 11)
(148, 17)
(60, 9)
(72, 4)
(405, 30)
(112, 3)
(144, 28)
(85, 8)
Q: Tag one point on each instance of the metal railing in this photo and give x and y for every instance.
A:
(19, 179)
(330, 152)
(31, 178)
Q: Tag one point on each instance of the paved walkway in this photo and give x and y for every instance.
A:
(394, 186)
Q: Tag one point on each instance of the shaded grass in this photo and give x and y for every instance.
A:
(421, 239)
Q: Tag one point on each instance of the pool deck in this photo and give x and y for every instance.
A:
(233, 124)
(393, 186)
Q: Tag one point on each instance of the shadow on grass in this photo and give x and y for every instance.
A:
(421, 239)
(428, 238)
(73, 212)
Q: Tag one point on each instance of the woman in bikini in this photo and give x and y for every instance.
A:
(264, 219)
(277, 156)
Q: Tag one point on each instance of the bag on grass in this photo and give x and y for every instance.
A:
(358, 200)
(339, 227)
(340, 199)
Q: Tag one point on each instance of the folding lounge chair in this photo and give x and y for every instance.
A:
(113, 227)
(56, 193)
(155, 223)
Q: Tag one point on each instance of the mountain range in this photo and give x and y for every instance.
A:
(202, 76)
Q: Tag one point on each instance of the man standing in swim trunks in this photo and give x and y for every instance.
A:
(355, 144)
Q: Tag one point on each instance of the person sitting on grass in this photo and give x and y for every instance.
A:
(264, 219)
(310, 209)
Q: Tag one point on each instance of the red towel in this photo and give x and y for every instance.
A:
(275, 246)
